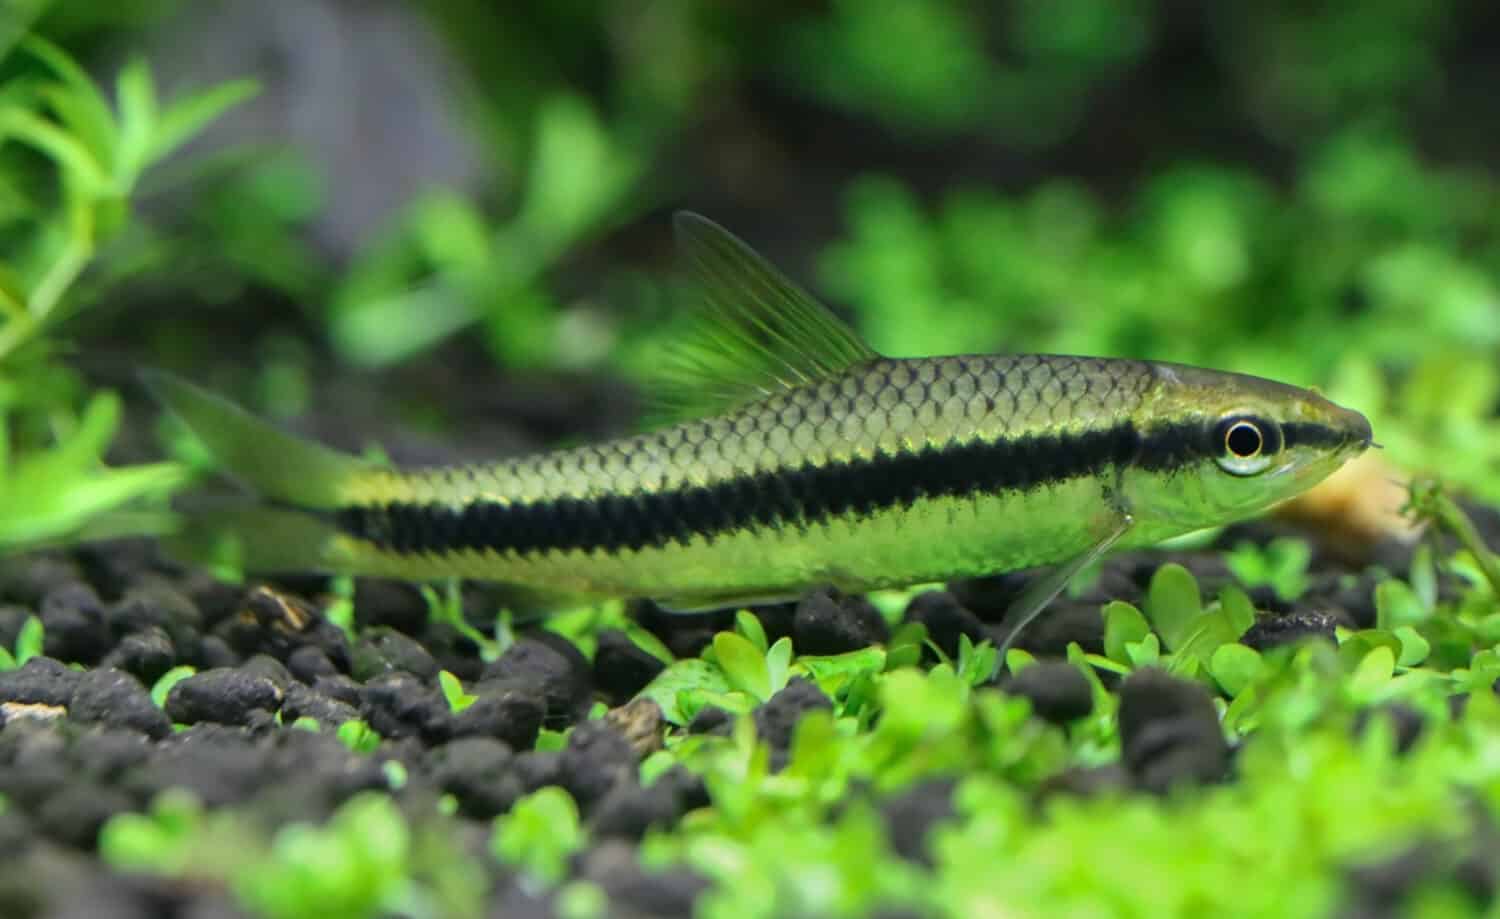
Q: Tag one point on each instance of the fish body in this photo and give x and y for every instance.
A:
(827, 464)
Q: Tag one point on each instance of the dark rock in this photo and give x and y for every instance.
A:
(777, 717)
(1380, 886)
(1274, 631)
(145, 655)
(989, 598)
(711, 720)
(1062, 623)
(156, 603)
(641, 723)
(269, 667)
(1059, 693)
(831, 623)
(632, 891)
(106, 753)
(222, 696)
(1407, 722)
(621, 667)
(503, 712)
(477, 772)
(308, 663)
(382, 651)
(75, 813)
(555, 666)
(40, 681)
(215, 653)
(912, 813)
(596, 758)
(398, 605)
(302, 702)
(399, 705)
(629, 809)
(1169, 731)
(12, 620)
(214, 600)
(341, 688)
(945, 620)
(538, 769)
(116, 698)
(76, 630)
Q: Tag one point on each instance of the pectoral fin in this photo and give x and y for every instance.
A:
(1047, 586)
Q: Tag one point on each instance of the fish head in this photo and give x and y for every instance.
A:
(1216, 447)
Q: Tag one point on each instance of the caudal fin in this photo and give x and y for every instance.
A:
(272, 462)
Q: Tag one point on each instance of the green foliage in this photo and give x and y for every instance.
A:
(166, 681)
(53, 483)
(1281, 564)
(539, 834)
(358, 736)
(453, 692)
(28, 645)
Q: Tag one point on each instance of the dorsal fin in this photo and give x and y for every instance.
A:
(757, 332)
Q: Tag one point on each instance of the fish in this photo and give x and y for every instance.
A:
(795, 457)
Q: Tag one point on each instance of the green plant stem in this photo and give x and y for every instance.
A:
(1430, 501)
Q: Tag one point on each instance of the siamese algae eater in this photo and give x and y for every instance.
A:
(811, 460)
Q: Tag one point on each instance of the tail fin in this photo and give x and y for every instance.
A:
(238, 538)
(272, 462)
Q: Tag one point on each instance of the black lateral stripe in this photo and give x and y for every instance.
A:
(797, 496)
(1311, 435)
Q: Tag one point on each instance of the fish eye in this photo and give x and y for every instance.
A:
(1245, 445)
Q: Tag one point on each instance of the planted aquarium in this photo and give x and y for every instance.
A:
(682, 458)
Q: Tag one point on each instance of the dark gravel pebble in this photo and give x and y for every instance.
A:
(263, 665)
(945, 619)
(1059, 693)
(597, 758)
(553, 665)
(75, 813)
(1169, 731)
(214, 652)
(777, 717)
(990, 597)
(40, 681)
(340, 688)
(76, 630)
(400, 705)
(632, 891)
(302, 702)
(628, 809)
(621, 667)
(912, 813)
(1274, 631)
(222, 696)
(145, 655)
(538, 769)
(116, 698)
(830, 623)
(711, 720)
(1407, 722)
(308, 664)
(1062, 623)
(503, 712)
(477, 772)
(384, 651)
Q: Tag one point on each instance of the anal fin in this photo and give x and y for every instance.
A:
(1045, 587)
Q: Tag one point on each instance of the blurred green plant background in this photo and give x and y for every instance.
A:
(451, 217)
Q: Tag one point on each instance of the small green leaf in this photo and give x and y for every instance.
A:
(683, 682)
(29, 642)
(1173, 603)
(1017, 660)
(1414, 648)
(1238, 609)
(1373, 673)
(778, 665)
(1396, 604)
(1143, 653)
(358, 736)
(905, 647)
(186, 117)
(135, 98)
(307, 723)
(1234, 667)
(539, 835)
(166, 681)
(453, 691)
(748, 625)
(743, 664)
(1123, 625)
